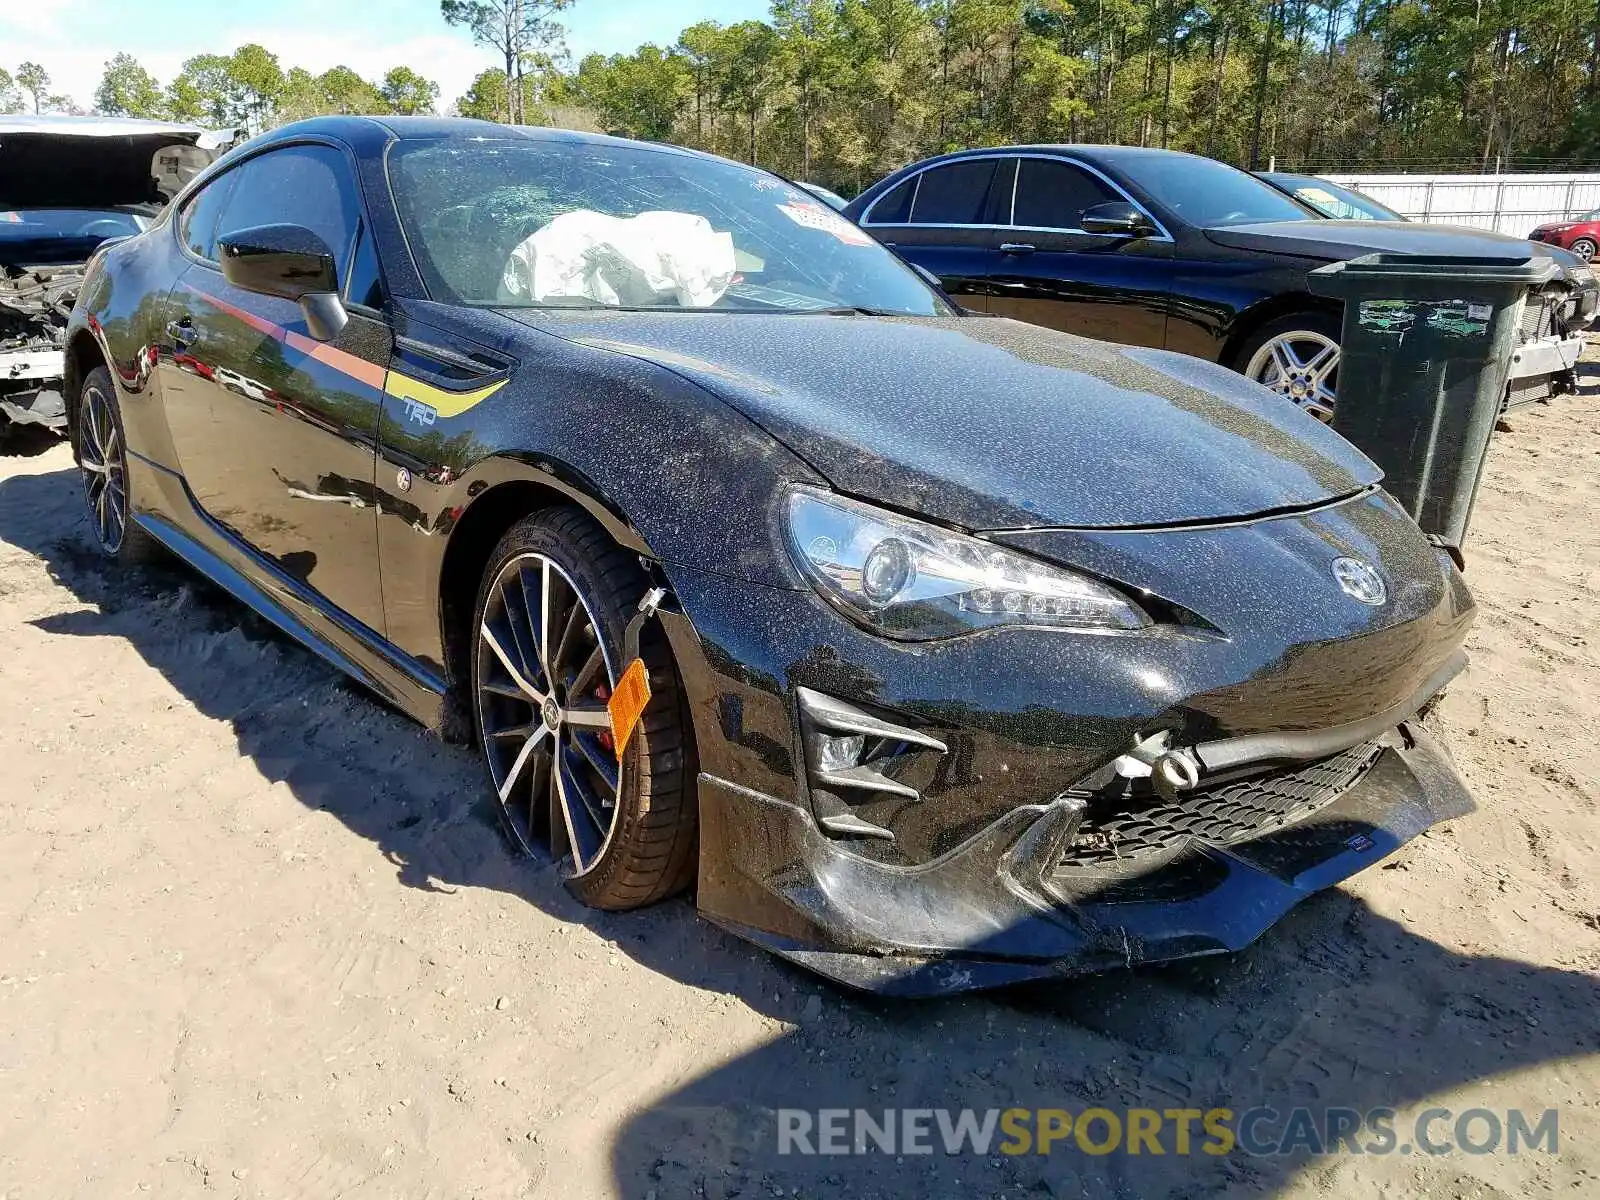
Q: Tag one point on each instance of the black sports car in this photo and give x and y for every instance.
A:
(938, 650)
(1159, 248)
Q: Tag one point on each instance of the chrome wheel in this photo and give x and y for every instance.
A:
(104, 468)
(1302, 365)
(543, 679)
(1584, 248)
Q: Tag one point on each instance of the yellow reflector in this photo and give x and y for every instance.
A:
(627, 704)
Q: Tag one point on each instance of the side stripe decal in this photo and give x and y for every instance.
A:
(392, 383)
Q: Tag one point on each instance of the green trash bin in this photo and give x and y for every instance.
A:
(1424, 358)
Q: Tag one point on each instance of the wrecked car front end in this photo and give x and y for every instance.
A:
(918, 819)
(35, 302)
(69, 185)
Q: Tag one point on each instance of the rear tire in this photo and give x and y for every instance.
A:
(548, 632)
(101, 448)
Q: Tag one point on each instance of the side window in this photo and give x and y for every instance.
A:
(198, 224)
(895, 207)
(298, 185)
(974, 191)
(1052, 194)
(363, 282)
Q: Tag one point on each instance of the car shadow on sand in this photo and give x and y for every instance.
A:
(1335, 1007)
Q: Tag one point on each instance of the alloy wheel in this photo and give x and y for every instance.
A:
(1302, 365)
(104, 468)
(1583, 248)
(543, 679)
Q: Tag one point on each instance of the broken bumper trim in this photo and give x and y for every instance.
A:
(29, 365)
(999, 909)
(45, 406)
(1548, 356)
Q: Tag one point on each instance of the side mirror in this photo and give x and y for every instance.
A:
(1117, 218)
(288, 261)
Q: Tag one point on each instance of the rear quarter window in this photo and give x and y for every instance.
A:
(894, 207)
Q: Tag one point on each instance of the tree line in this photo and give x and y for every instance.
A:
(843, 91)
(247, 89)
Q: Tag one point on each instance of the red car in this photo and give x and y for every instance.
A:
(1580, 235)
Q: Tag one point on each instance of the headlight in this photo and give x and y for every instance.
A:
(911, 580)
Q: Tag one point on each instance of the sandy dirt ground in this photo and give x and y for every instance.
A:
(260, 937)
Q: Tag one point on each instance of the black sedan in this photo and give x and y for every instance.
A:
(1158, 248)
(938, 651)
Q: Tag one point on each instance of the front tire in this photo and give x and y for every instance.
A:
(102, 453)
(1584, 248)
(548, 636)
(1296, 356)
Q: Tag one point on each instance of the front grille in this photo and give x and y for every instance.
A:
(1538, 317)
(1539, 320)
(1220, 815)
(1530, 390)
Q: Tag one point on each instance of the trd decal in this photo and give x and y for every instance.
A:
(435, 400)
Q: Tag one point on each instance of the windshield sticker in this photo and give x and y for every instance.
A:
(814, 216)
(1316, 195)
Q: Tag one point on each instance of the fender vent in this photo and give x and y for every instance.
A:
(851, 756)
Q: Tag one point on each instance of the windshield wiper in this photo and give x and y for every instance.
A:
(856, 310)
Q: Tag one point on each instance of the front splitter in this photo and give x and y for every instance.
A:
(991, 912)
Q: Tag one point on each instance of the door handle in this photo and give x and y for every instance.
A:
(1017, 248)
(182, 332)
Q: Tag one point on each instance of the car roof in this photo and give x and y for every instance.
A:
(405, 129)
(1083, 149)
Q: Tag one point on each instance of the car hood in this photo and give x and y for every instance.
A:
(59, 162)
(1336, 240)
(991, 424)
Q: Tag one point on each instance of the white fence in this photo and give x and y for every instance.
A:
(1511, 204)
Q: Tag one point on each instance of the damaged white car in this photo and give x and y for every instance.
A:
(67, 186)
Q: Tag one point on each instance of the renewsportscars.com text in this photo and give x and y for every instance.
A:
(1257, 1131)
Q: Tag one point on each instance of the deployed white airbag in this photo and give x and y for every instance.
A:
(649, 259)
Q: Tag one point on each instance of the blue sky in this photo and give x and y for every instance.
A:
(72, 39)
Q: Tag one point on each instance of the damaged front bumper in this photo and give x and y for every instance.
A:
(1033, 897)
(30, 387)
(1019, 804)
